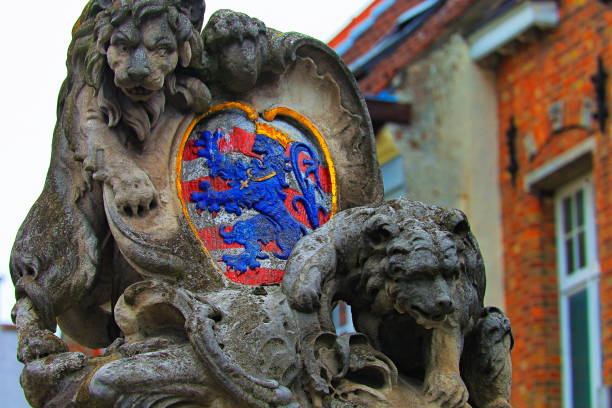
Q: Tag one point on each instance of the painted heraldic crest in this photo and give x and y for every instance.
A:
(252, 186)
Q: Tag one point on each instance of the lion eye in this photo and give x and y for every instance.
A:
(164, 49)
(419, 276)
(122, 48)
(456, 272)
(463, 267)
(396, 270)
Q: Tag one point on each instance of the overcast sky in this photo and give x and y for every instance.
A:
(35, 38)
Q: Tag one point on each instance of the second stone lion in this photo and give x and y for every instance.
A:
(415, 279)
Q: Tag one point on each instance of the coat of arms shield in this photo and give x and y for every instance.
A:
(252, 185)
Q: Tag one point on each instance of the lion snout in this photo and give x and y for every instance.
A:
(138, 73)
(436, 310)
(443, 307)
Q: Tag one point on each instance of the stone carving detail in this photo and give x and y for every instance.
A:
(212, 194)
(415, 279)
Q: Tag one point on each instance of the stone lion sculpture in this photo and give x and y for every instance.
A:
(134, 243)
(127, 71)
(415, 279)
(135, 70)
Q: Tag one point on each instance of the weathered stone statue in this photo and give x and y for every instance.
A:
(211, 196)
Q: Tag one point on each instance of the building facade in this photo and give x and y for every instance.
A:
(446, 152)
(555, 179)
(509, 122)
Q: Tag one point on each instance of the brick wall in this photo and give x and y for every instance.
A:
(557, 67)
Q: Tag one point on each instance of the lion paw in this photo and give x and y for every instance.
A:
(134, 192)
(305, 295)
(41, 379)
(447, 390)
(499, 403)
(37, 344)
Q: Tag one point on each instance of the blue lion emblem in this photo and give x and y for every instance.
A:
(259, 184)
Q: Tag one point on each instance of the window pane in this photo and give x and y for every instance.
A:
(567, 214)
(580, 207)
(393, 178)
(569, 256)
(342, 318)
(393, 173)
(582, 261)
(580, 350)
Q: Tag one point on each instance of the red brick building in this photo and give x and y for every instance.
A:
(557, 206)
(547, 64)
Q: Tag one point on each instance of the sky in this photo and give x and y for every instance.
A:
(35, 39)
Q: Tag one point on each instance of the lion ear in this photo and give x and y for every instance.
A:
(195, 11)
(456, 222)
(185, 54)
(379, 230)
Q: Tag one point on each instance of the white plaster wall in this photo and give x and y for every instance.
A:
(451, 150)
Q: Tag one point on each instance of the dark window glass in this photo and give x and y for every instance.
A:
(582, 261)
(569, 256)
(580, 208)
(580, 350)
(567, 214)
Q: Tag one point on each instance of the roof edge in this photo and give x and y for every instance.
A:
(508, 26)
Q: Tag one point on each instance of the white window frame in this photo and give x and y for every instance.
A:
(583, 278)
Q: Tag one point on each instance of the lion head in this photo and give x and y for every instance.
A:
(142, 57)
(425, 261)
(139, 53)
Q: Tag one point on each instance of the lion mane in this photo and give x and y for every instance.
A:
(87, 63)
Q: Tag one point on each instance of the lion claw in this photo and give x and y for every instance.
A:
(134, 192)
(37, 344)
(305, 299)
(40, 378)
(447, 390)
